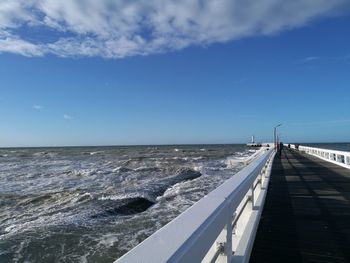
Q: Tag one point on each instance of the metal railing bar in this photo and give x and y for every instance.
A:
(240, 212)
(227, 203)
(334, 156)
(219, 250)
(257, 183)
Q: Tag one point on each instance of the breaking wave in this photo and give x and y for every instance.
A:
(100, 201)
(136, 203)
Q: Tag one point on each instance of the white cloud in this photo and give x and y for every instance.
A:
(120, 28)
(67, 116)
(309, 59)
(14, 44)
(334, 58)
(37, 107)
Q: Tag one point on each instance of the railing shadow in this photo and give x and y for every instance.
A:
(329, 204)
(276, 239)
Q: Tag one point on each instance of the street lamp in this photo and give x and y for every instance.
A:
(274, 134)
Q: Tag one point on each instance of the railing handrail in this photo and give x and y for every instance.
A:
(341, 158)
(189, 236)
(325, 150)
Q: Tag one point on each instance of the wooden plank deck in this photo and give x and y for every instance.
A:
(306, 217)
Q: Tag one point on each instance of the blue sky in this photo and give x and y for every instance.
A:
(200, 85)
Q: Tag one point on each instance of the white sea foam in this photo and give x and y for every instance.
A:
(117, 169)
(83, 258)
(83, 172)
(108, 240)
(242, 157)
(67, 191)
(97, 152)
(141, 168)
(120, 196)
(198, 168)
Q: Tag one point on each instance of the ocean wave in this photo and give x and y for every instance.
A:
(47, 210)
(93, 153)
(40, 153)
(116, 197)
(154, 169)
(242, 157)
(82, 172)
(45, 154)
(83, 197)
(122, 169)
(24, 155)
(108, 240)
(127, 191)
(34, 199)
(126, 206)
(147, 169)
(187, 174)
(158, 188)
(137, 202)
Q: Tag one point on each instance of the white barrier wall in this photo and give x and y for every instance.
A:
(220, 227)
(338, 157)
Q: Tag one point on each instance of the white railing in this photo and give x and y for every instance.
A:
(289, 145)
(338, 157)
(220, 227)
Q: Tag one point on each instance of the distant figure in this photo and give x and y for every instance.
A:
(297, 147)
(289, 145)
(280, 148)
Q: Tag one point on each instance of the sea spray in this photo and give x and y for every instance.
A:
(96, 203)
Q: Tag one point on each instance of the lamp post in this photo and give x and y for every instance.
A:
(279, 136)
(274, 134)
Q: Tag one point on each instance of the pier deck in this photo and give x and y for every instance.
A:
(306, 217)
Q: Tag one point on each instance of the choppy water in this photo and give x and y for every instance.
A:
(93, 204)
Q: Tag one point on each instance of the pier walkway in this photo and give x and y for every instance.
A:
(306, 217)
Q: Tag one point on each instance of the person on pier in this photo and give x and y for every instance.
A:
(280, 148)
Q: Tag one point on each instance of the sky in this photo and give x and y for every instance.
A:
(115, 72)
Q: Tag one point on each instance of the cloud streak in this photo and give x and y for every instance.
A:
(121, 28)
(37, 107)
(334, 58)
(67, 116)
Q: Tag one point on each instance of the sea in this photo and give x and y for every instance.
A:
(93, 204)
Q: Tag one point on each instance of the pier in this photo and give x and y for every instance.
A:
(306, 217)
(293, 208)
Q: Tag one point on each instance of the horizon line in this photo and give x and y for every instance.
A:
(145, 145)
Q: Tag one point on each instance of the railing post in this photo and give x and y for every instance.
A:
(261, 176)
(341, 158)
(251, 196)
(228, 247)
(215, 242)
(226, 244)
